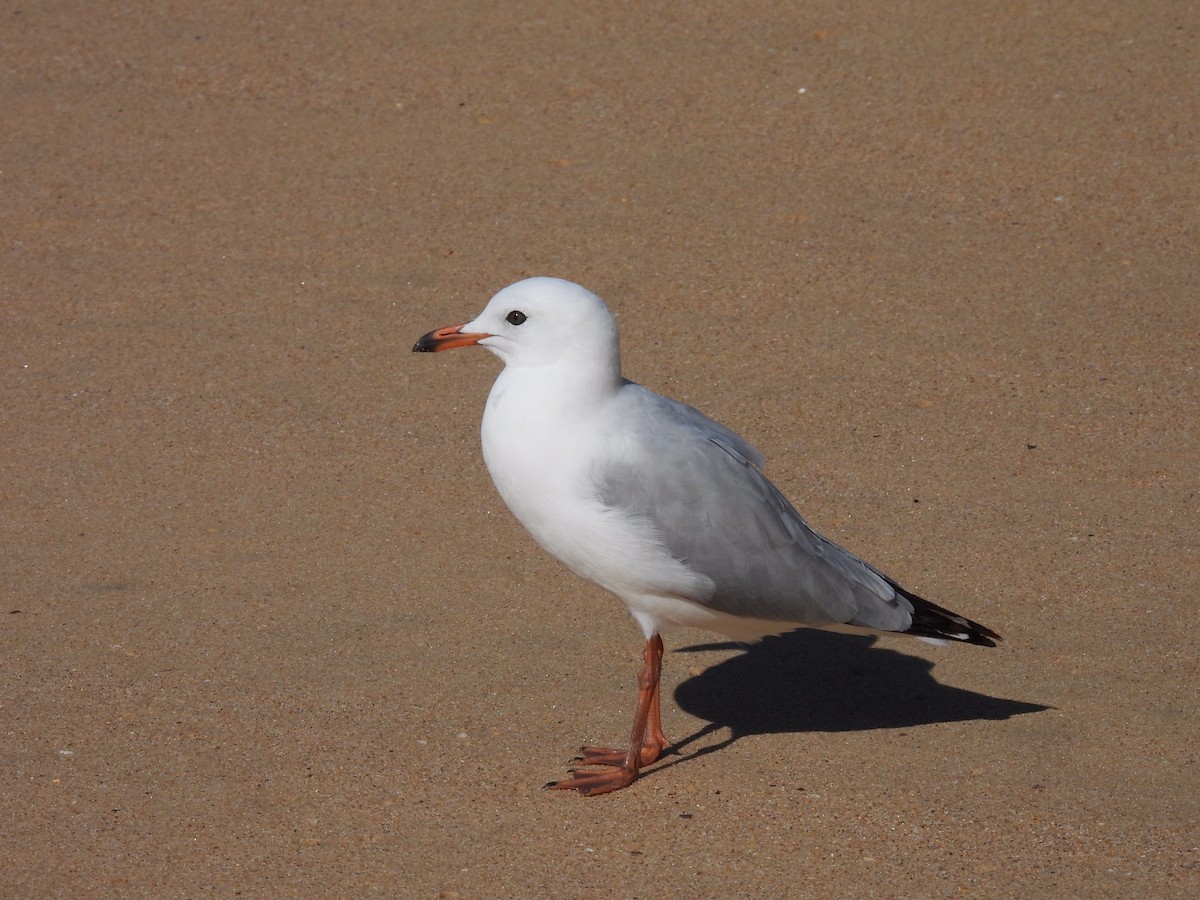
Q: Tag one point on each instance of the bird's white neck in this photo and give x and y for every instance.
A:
(536, 424)
(533, 398)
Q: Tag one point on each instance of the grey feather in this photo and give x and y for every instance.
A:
(716, 512)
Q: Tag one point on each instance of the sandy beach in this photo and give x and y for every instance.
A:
(267, 628)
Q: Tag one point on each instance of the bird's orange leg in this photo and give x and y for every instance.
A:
(646, 743)
(653, 743)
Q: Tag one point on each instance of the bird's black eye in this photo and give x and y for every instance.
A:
(516, 317)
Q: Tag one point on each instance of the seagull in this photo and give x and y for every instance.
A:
(660, 505)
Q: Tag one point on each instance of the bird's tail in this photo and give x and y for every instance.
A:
(933, 622)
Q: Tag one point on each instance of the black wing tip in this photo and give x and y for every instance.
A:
(963, 632)
(933, 621)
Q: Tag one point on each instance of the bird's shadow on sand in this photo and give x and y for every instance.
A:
(814, 681)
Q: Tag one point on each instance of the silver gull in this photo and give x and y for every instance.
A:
(657, 503)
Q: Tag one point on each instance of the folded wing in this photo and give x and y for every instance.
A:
(699, 486)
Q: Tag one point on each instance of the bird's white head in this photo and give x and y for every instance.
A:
(539, 322)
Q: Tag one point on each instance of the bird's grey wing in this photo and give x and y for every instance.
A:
(700, 487)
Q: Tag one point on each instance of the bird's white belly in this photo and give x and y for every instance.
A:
(547, 483)
(551, 493)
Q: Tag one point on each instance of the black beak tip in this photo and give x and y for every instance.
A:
(424, 344)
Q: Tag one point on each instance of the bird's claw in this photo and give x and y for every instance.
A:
(591, 782)
(606, 756)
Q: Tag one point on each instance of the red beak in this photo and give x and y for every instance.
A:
(447, 338)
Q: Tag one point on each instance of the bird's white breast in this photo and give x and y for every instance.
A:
(543, 456)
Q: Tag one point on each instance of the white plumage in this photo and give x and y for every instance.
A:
(647, 497)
